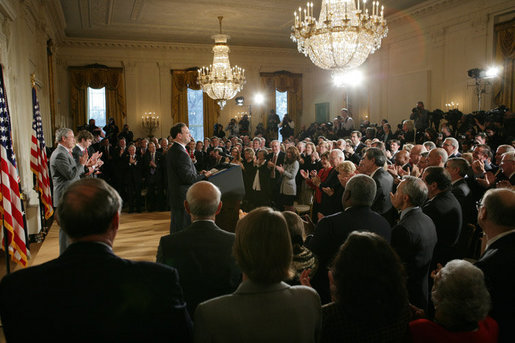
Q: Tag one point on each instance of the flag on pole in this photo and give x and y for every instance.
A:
(38, 158)
(10, 202)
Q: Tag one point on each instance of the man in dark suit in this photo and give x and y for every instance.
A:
(355, 138)
(275, 158)
(332, 231)
(90, 294)
(202, 253)
(497, 219)
(181, 174)
(133, 166)
(445, 211)
(373, 164)
(152, 163)
(414, 237)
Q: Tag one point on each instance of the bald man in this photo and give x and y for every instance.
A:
(497, 219)
(437, 158)
(202, 253)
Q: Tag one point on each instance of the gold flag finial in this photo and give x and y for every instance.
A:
(33, 79)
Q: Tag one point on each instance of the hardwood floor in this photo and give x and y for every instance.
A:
(137, 239)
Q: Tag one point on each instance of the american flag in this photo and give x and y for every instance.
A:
(10, 202)
(38, 158)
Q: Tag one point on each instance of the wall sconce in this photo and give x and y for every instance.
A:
(150, 121)
(452, 106)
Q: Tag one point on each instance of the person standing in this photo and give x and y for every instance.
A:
(65, 170)
(181, 174)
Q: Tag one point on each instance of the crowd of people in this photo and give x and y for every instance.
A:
(411, 237)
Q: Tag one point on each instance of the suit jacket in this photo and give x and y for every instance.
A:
(260, 313)
(331, 204)
(202, 253)
(414, 239)
(332, 231)
(384, 183)
(152, 175)
(92, 295)
(181, 174)
(280, 160)
(445, 211)
(64, 171)
(463, 194)
(133, 172)
(498, 264)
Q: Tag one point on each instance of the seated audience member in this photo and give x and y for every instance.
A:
(497, 219)
(332, 231)
(414, 237)
(263, 308)
(451, 146)
(303, 258)
(461, 307)
(201, 252)
(429, 145)
(89, 294)
(507, 166)
(369, 293)
(445, 211)
(437, 158)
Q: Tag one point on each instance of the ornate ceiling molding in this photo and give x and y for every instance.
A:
(427, 7)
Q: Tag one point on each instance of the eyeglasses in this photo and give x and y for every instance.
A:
(479, 204)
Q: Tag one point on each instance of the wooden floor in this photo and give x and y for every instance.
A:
(137, 239)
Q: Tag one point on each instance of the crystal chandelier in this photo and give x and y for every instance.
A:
(219, 80)
(343, 36)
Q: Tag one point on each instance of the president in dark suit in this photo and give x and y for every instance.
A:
(181, 174)
(275, 158)
(332, 231)
(202, 253)
(497, 219)
(414, 237)
(445, 211)
(89, 293)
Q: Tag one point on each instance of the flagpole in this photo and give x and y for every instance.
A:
(6, 247)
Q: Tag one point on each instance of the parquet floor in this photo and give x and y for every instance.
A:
(137, 239)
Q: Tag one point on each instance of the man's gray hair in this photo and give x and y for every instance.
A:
(61, 133)
(415, 189)
(429, 145)
(462, 164)
(499, 209)
(509, 156)
(205, 206)
(362, 189)
(442, 153)
(454, 142)
(460, 294)
(339, 153)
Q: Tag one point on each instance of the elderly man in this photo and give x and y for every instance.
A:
(332, 231)
(415, 155)
(437, 158)
(373, 164)
(451, 146)
(90, 294)
(202, 253)
(508, 168)
(414, 237)
(445, 211)
(65, 170)
(497, 219)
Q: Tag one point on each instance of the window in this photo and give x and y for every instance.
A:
(97, 106)
(196, 113)
(281, 103)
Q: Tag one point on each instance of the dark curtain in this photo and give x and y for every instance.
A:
(504, 90)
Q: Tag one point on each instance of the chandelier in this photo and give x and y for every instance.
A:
(219, 80)
(343, 36)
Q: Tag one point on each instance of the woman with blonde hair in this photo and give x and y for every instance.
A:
(263, 308)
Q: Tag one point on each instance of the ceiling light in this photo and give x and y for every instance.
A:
(219, 81)
(344, 34)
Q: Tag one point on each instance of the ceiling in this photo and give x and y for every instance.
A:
(262, 23)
